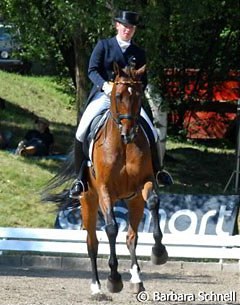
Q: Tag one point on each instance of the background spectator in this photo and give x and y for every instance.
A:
(38, 141)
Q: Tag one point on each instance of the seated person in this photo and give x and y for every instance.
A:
(38, 141)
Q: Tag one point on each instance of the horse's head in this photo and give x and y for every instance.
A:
(126, 101)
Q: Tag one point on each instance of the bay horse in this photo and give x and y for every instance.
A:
(122, 169)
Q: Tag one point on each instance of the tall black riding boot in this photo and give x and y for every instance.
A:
(79, 184)
(162, 176)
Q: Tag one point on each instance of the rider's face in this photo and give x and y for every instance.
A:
(125, 32)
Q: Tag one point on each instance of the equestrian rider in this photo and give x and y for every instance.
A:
(120, 49)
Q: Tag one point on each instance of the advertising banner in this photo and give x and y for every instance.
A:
(185, 214)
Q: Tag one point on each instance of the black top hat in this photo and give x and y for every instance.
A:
(127, 17)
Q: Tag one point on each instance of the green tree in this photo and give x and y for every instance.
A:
(203, 35)
(63, 30)
(176, 34)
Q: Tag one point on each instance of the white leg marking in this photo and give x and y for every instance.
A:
(135, 275)
(95, 288)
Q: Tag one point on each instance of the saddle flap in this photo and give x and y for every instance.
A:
(92, 132)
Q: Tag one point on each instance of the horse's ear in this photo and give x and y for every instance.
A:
(118, 71)
(141, 71)
(116, 68)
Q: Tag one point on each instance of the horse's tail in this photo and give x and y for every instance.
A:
(52, 192)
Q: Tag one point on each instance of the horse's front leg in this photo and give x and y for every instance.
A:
(135, 210)
(114, 283)
(159, 252)
(89, 216)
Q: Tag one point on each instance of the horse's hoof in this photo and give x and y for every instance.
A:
(114, 286)
(99, 297)
(159, 255)
(137, 287)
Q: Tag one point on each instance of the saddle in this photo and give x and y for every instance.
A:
(91, 134)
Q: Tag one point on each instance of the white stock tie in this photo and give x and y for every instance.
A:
(123, 44)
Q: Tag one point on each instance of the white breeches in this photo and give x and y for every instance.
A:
(100, 102)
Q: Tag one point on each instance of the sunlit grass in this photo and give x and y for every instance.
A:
(21, 182)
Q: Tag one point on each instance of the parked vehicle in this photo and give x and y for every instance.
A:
(11, 55)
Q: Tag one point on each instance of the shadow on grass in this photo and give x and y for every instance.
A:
(196, 171)
(18, 120)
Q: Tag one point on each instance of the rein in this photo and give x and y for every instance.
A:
(127, 82)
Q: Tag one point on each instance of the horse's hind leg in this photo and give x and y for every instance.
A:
(114, 283)
(159, 252)
(135, 210)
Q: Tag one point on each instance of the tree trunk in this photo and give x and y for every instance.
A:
(81, 60)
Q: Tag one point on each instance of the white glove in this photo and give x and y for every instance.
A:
(107, 88)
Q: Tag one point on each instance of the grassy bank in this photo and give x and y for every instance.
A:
(27, 97)
(21, 179)
(196, 169)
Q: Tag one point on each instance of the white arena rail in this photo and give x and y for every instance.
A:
(74, 242)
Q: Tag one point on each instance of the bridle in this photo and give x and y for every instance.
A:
(126, 116)
(118, 116)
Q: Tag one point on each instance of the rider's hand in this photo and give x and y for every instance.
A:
(107, 88)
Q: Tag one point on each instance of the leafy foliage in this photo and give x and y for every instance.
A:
(176, 34)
